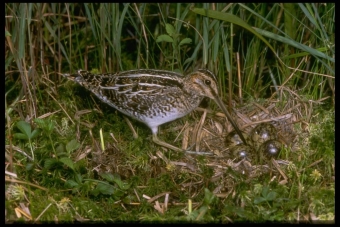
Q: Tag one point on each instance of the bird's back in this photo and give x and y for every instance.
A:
(150, 96)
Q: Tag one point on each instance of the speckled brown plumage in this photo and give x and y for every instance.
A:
(153, 97)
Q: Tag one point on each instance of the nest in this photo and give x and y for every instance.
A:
(207, 133)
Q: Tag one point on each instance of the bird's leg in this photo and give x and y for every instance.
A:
(135, 135)
(164, 144)
(171, 147)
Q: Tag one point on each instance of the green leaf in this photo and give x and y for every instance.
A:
(185, 41)
(170, 29)
(68, 162)
(71, 184)
(121, 184)
(202, 211)
(258, 200)
(129, 199)
(40, 122)
(78, 178)
(193, 215)
(46, 125)
(265, 191)
(238, 210)
(107, 176)
(50, 126)
(25, 128)
(116, 179)
(209, 197)
(271, 196)
(29, 166)
(164, 38)
(105, 189)
(7, 33)
(61, 149)
(50, 163)
(72, 145)
(20, 136)
(35, 133)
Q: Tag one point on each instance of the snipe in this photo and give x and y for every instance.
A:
(153, 97)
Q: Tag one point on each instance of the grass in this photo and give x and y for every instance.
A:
(278, 56)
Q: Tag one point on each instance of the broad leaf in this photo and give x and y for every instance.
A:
(78, 178)
(271, 196)
(20, 136)
(105, 189)
(7, 33)
(121, 184)
(67, 161)
(35, 133)
(164, 38)
(71, 184)
(209, 197)
(107, 176)
(50, 163)
(47, 125)
(185, 41)
(72, 145)
(258, 200)
(29, 166)
(40, 122)
(170, 29)
(25, 128)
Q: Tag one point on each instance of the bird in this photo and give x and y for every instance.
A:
(154, 96)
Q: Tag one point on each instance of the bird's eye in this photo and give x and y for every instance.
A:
(207, 82)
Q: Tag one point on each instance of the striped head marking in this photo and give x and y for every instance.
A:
(203, 83)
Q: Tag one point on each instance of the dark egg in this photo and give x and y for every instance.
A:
(241, 151)
(271, 148)
(262, 133)
(234, 139)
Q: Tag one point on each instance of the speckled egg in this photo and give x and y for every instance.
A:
(271, 148)
(234, 139)
(241, 151)
(262, 133)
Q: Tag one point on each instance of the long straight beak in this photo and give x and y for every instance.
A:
(221, 105)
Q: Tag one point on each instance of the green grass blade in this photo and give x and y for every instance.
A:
(292, 42)
(22, 30)
(289, 17)
(232, 19)
(88, 12)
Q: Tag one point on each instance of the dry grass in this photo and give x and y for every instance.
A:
(71, 172)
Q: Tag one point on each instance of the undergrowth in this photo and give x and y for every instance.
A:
(71, 158)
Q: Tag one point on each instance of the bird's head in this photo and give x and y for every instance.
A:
(202, 83)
